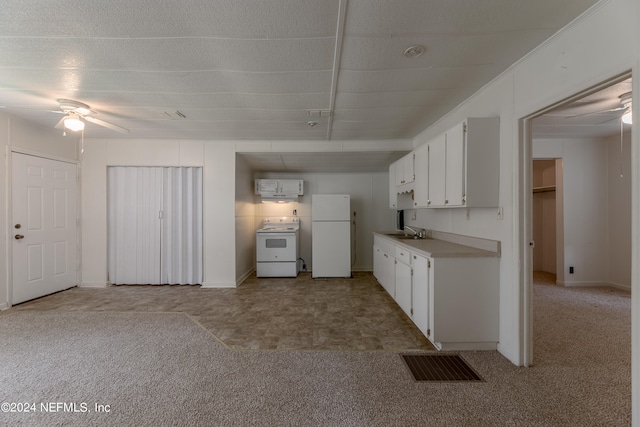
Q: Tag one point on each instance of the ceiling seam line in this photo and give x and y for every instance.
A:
(342, 12)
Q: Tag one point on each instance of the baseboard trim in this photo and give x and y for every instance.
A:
(508, 354)
(620, 286)
(4, 306)
(244, 277)
(213, 285)
(593, 284)
(92, 285)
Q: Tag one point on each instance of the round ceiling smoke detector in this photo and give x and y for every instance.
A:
(414, 51)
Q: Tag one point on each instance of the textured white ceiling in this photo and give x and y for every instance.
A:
(595, 115)
(250, 69)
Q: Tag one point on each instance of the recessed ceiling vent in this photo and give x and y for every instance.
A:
(318, 113)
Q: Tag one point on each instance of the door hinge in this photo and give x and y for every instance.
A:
(464, 127)
(412, 311)
(428, 263)
(429, 332)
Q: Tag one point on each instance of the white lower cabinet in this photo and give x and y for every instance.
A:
(453, 301)
(403, 275)
(463, 303)
(420, 288)
(384, 269)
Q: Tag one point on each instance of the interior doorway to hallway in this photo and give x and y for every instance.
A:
(593, 201)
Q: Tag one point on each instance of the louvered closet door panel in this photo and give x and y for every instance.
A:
(134, 203)
(182, 226)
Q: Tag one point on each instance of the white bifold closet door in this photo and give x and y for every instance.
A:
(155, 225)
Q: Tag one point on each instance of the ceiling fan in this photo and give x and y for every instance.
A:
(625, 101)
(76, 113)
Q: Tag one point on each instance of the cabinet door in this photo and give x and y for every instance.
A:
(388, 274)
(377, 263)
(421, 170)
(403, 286)
(384, 269)
(408, 168)
(455, 167)
(420, 288)
(437, 158)
(290, 186)
(399, 172)
(393, 195)
(431, 332)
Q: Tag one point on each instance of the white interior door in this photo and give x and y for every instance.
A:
(134, 224)
(43, 201)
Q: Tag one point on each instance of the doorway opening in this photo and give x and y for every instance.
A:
(585, 148)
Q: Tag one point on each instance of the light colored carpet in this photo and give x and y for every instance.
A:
(165, 369)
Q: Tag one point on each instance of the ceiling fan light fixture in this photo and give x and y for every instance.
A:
(73, 123)
(627, 118)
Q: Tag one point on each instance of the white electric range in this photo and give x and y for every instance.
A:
(277, 247)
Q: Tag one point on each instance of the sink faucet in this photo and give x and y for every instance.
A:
(416, 234)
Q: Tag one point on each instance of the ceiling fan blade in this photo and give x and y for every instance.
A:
(106, 124)
(6, 107)
(596, 112)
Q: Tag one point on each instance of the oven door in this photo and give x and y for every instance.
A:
(275, 247)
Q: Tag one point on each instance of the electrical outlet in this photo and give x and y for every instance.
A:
(500, 213)
(413, 215)
(570, 270)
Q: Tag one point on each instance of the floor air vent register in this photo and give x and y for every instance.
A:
(440, 368)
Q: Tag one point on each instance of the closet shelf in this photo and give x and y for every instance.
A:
(544, 189)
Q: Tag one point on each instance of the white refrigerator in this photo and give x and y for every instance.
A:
(330, 235)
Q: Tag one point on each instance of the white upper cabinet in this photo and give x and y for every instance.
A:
(437, 157)
(393, 195)
(459, 168)
(404, 173)
(464, 165)
(455, 167)
(421, 184)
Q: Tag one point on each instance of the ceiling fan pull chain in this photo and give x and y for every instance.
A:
(621, 146)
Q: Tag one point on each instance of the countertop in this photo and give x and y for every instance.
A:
(440, 247)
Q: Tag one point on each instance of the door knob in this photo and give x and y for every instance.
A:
(19, 237)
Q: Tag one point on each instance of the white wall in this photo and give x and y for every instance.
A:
(585, 207)
(369, 199)
(245, 220)
(601, 44)
(20, 136)
(619, 202)
(218, 162)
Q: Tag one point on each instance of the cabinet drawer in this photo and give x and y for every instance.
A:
(384, 244)
(403, 255)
